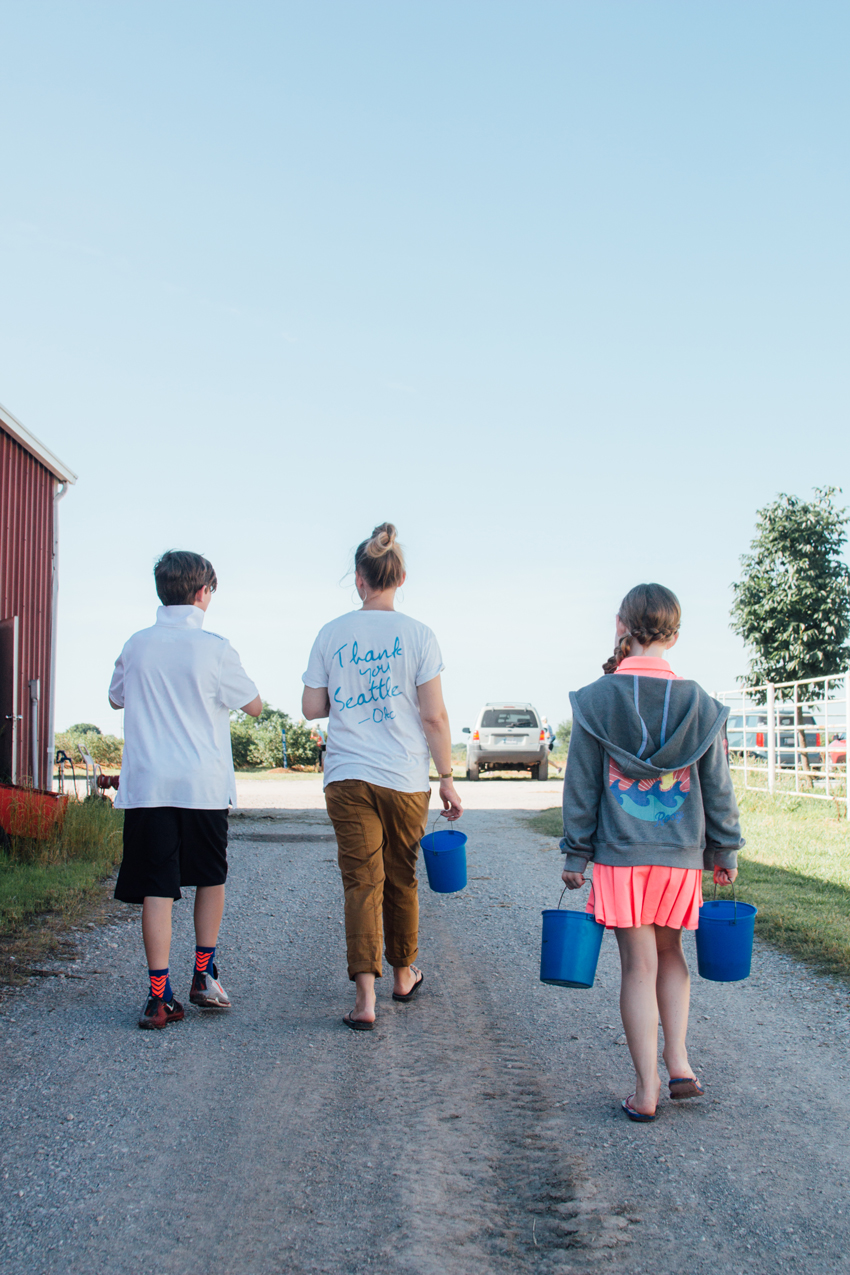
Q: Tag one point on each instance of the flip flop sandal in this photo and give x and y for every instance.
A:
(408, 996)
(357, 1024)
(686, 1087)
(640, 1116)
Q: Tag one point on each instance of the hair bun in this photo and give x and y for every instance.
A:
(383, 539)
(380, 559)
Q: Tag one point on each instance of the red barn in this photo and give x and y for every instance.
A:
(32, 482)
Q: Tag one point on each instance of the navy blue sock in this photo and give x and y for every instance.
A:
(204, 960)
(161, 984)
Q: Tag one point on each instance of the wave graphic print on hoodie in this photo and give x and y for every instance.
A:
(653, 800)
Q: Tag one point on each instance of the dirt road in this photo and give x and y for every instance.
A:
(477, 1130)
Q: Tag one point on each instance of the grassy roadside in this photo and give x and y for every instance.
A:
(795, 868)
(46, 886)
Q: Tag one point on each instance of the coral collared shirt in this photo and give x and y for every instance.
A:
(648, 666)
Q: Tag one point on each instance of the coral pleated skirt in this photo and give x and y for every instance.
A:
(646, 895)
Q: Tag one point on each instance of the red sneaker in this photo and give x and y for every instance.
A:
(159, 1013)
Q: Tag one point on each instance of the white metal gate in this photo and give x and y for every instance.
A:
(791, 736)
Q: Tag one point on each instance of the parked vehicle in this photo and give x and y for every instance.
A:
(752, 735)
(837, 750)
(507, 737)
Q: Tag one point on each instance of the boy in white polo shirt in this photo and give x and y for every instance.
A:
(177, 685)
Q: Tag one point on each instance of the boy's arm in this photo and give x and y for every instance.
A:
(235, 688)
(116, 686)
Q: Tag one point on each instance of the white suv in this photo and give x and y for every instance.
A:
(507, 737)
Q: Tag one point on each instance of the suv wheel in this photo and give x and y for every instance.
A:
(542, 769)
(473, 772)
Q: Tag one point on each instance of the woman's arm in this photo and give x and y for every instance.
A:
(315, 702)
(435, 723)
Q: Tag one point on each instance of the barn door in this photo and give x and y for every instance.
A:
(8, 699)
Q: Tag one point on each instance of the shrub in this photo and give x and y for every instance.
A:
(107, 750)
(563, 733)
(257, 742)
(301, 750)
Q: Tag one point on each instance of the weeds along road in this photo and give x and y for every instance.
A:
(476, 1130)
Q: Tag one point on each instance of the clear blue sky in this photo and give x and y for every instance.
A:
(559, 288)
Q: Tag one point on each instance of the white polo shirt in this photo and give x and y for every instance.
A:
(177, 685)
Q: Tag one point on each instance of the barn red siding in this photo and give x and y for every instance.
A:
(26, 587)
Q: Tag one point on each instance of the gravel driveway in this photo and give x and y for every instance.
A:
(476, 1130)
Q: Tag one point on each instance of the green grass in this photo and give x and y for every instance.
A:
(795, 868)
(57, 875)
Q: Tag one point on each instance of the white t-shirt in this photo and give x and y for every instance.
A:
(177, 685)
(372, 662)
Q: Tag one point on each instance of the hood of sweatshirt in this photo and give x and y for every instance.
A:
(649, 725)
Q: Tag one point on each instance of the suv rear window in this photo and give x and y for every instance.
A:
(507, 718)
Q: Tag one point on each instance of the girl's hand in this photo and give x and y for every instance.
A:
(724, 876)
(574, 880)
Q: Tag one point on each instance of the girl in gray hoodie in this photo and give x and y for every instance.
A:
(648, 798)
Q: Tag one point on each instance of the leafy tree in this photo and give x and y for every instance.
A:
(564, 731)
(83, 728)
(792, 603)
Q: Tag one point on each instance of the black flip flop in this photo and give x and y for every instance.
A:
(408, 996)
(357, 1024)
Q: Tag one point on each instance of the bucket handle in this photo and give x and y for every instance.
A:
(434, 828)
(734, 902)
(564, 891)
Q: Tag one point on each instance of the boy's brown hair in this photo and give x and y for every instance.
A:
(179, 575)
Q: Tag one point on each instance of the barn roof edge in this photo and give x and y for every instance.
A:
(22, 435)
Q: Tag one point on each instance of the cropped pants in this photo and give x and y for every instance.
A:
(378, 831)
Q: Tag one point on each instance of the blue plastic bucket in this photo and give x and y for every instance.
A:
(569, 951)
(445, 860)
(725, 940)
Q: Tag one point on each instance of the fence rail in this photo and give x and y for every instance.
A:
(791, 736)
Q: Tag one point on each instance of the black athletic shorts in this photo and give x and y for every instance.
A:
(166, 847)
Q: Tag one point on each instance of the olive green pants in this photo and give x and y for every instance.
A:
(378, 831)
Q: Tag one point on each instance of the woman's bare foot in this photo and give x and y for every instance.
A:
(364, 1001)
(405, 978)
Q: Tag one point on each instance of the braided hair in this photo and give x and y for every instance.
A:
(651, 614)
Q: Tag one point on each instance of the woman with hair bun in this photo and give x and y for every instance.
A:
(376, 675)
(648, 798)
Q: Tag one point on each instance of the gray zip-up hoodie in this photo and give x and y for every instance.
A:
(647, 777)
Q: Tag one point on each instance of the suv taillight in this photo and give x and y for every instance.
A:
(817, 739)
(475, 735)
(760, 739)
(542, 736)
